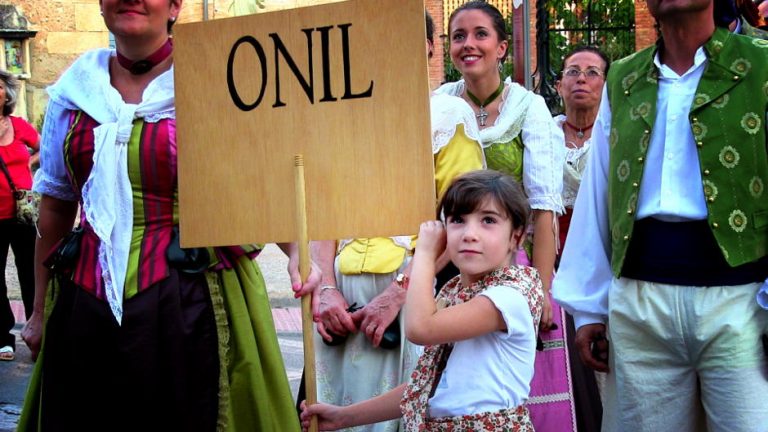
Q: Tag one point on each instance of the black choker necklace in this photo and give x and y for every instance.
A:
(483, 114)
(140, 67)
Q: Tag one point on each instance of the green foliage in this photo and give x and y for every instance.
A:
(607, 24)
(245, 7)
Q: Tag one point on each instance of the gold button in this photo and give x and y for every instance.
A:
(634, 185)
(626, 92)
(629, 212)
(640, 159)
(646, 131)
(626, 237)
(715, 225)
(699, 144)
(706, 172)
(711, 199)
(695, 120)
(736, 77)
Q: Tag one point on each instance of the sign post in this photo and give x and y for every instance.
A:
(341, 87)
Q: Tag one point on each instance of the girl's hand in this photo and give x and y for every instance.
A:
(329, 417)
(432, 239)
(546, 314)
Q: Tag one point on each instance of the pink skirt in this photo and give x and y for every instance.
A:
(551, 403)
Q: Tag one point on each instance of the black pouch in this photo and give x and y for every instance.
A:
(389, 340)
(186, 260)
(63, 258)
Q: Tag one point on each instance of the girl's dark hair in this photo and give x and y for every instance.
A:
(496, 17)
(430, 27)
(467, 192)
(590, 49)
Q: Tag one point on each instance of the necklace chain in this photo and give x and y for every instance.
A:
(579, 130)
(483, 114)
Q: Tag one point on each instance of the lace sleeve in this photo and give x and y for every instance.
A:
(544, 157)
(52, 179)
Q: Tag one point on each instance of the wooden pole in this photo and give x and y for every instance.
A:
(310, 381)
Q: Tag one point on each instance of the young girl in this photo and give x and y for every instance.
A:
(480, 332)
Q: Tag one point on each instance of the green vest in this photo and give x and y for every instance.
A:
(727, 118)
(748, 30)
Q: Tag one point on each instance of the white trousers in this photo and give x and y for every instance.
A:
(685, 359)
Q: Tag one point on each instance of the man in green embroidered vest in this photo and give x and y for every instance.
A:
(668, 242)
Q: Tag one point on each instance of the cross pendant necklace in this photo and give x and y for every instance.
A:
(482, 115)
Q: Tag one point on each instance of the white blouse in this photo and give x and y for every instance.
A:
(575, 163)
(522, 111)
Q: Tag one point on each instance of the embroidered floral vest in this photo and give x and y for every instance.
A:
(727, 118)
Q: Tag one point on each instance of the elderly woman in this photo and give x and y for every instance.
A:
(580, 86)
(139, 333)
(17, 140)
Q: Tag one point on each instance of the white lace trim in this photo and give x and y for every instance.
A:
(156, 117)
(448, 112)
(515, 101)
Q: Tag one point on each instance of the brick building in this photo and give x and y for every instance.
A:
(67, 28)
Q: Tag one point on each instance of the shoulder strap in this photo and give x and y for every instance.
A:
(7, 175)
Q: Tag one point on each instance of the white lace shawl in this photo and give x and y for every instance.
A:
(447, 113)
(106, 194)
(522, 111)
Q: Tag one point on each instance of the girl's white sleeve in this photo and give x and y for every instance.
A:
(513, 308)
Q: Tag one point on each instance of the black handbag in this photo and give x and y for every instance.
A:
(389, 340)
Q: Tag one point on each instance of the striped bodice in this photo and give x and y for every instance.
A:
(152, 173)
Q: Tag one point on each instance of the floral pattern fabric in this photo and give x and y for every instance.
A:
(414, 404)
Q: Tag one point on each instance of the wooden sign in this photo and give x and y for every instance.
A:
(345, 85)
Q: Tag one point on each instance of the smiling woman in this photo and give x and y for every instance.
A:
(143, 333)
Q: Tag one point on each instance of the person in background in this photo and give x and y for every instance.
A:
(670, 251)
(741, 17)
(580, 86)
(140, 333)
(17, 139)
